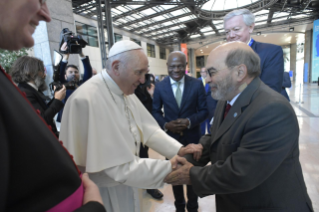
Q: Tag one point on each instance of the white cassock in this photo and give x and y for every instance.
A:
(102, 129)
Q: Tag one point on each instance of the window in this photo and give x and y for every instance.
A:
(150, 50)
(136, 41)
(88, 33)
(162, 53)
(200, 61)
(117, 37)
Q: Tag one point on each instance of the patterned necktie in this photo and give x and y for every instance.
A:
(178, 94)
(226, 110)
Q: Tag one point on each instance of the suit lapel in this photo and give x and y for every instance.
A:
(236, 110)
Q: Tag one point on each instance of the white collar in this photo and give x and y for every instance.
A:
(112, 85)
(181, 80)
(233, 100)
(33, 86)
(249, 41)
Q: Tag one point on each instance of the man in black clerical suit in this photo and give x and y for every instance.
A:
(253, 147)
(29, 73)
(239, 24)
(36, 171)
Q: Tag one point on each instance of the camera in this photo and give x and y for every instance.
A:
(75, 43)
(71, 85)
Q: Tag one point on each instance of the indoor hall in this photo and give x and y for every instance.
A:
(196, 28)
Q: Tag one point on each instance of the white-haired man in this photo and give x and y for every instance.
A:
(239, 24)
(103, 126)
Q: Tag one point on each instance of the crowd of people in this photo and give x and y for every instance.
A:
(229, 133)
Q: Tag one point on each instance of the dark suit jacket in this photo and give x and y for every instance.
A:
(254, 154)
(193, 106)
(87, 75)
(47, 111)
(271, 64)
(207, 88)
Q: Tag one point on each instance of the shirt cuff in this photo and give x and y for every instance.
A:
(189, 126)
(164, 127)
(82, 58)
(65, 61)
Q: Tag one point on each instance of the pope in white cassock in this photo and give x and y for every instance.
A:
(103, 124)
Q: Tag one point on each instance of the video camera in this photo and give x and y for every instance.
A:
(74, 42)
(71, 85)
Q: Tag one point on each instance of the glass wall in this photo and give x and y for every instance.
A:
(88, 33)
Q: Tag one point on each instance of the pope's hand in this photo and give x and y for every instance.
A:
(91, 191)
(181, 175)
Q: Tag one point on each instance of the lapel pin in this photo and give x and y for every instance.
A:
(235, 115)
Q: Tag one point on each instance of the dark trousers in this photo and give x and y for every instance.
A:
(192, 204)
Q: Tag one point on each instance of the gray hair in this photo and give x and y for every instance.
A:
(248, 17)
(249, 58)
(26, 69)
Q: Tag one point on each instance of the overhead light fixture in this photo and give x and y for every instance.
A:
(291, 29)
(258, 33)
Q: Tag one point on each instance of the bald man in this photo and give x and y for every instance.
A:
(184, 101)
(104, 125)
(253, 146)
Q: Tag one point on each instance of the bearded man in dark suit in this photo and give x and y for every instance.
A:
(253, 147)
(239, 24)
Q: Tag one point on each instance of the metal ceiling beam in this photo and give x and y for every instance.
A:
(115, 2)
(151, 16)
(170, 26)
(160, 22)
(131, 12)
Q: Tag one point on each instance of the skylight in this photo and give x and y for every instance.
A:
(209, 33)
(195, 36)
(148, 12)
(218, 5)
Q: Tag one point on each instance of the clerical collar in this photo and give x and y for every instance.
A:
(173, 81)
(33, 86)
(232, 102)
(113, 86)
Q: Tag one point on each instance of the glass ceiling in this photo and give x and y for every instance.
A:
(163, 21)
(218, 5)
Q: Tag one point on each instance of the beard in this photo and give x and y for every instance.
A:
(40, 83)
(224, 88)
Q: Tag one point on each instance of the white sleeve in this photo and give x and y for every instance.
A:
(164, 144)
(141, 173)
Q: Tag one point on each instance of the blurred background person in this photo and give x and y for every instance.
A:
(29, 73)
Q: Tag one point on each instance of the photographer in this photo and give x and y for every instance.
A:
(29, 74)
(71, 73)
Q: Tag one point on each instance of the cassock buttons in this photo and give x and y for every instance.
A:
(235, 115)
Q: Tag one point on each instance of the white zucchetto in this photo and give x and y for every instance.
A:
(123, 46)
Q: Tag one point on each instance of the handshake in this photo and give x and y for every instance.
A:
(181, 167)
